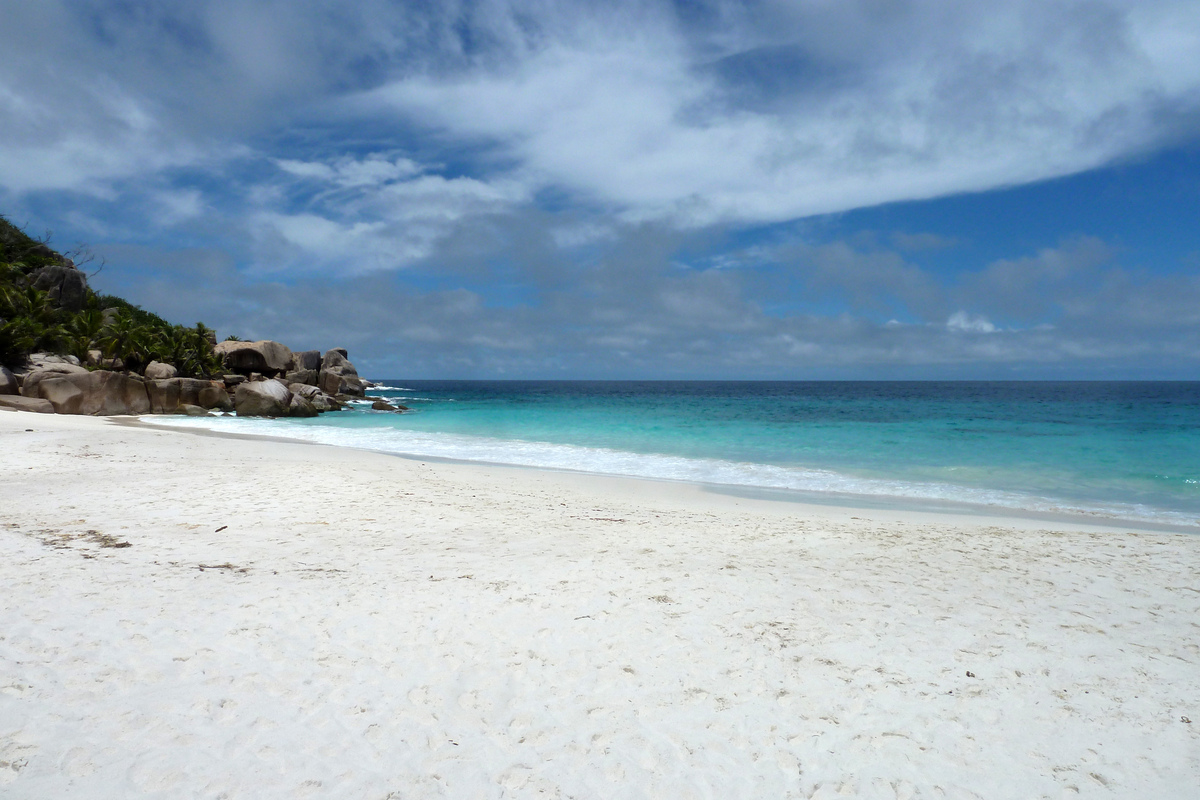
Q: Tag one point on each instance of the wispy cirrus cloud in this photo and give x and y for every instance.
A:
(768, 112)
(353, 216)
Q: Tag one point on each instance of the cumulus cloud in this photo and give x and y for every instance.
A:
(962, 321)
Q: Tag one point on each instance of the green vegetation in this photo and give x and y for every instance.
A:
(31, 320)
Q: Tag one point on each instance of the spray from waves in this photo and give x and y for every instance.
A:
(603, 461)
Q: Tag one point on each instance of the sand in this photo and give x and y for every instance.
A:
(192, 616)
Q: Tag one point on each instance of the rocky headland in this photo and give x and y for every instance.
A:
(65, 349)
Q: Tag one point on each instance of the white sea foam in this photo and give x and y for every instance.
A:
(604, 461)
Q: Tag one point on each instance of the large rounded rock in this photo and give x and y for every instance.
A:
(262, 399)
(307, 359)
(269, 358)
(335, 356)
(18, 403)
(215, 396)
(66, 286)
(167, 396)
(95, 358)
(329, 382)
(306, 376)
(99, 393)
(43, 360)
(334, 382)
(320, 401)
(32, 379)
(301, 407)
(158, 371)
(164, 396)
(8, 382)
(339, 376)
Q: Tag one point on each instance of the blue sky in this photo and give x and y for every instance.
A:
(630, 189)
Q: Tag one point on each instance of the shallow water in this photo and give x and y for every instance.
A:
(1127, 449)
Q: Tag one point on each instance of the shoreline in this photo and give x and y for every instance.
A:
(207, 615)
(1003, 515)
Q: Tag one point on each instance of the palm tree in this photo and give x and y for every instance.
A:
(18, 338)
(202, 360)
(173, 346)
(34, 322)
(84, 330)
(125, 339)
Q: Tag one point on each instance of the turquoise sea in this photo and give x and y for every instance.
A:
(1126, 450)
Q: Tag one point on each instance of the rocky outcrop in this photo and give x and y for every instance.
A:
(329, 383)
(320, 401)
(45, 360)
(337, 357)
(215, 396)
(99, 393)
(338, 375)
(299, 406)
(269, 358)
(308, 359)
(96, 359)
(305, 376)
(30, 381)
(158, 371)
(65, 285)
(19, 403)
(304, 390)
(313, 383)
(270, 398)
(169, 396)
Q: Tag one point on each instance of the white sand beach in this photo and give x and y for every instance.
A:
(185, 615)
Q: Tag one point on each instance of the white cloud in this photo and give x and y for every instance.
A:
(731, 111)
(370, 214)
(102, 135)
(174, 206)
(954, 99)
(348, 172)
(963, 322)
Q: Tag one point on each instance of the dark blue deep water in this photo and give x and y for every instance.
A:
(1125, 449)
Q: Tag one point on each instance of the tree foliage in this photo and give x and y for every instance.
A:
(30, 321)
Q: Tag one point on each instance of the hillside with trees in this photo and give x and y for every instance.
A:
(47, 306)
(66, 349)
